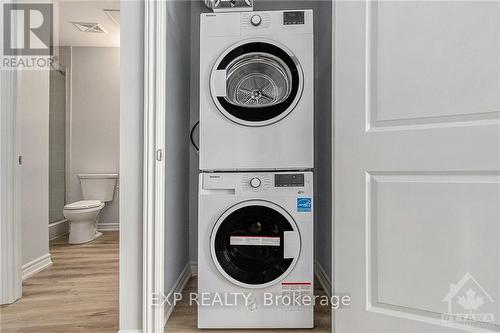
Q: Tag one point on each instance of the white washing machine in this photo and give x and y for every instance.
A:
(255, 250)
(256, 90)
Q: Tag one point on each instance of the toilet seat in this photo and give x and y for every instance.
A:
(82, 216)
(83, 204)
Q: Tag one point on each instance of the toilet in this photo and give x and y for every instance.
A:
(97, 189)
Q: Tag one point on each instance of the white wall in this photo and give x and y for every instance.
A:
(177, 141)
(33, 109)
(95, 120)
(131, 153)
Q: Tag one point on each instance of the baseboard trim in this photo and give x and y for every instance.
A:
(53, 224)
(323, 278)
(36, 266)
(58, 229)
(108, 226)
(178, 287)
(130, 331)
(58, 236)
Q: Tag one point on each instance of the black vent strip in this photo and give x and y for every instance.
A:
(251, 264)
(266, 112)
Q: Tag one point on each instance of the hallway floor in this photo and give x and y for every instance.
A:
(184, 318)
(79, 293)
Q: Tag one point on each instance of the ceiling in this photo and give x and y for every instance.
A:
(84, 11)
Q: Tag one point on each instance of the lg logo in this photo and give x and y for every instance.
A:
(28, 29)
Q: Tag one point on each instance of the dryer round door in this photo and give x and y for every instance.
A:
(256, 82)
(255, 244)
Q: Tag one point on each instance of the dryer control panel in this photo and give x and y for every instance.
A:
(296, 17)
(256, 23)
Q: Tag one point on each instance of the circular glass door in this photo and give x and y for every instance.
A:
(255, 244)
(256, 83)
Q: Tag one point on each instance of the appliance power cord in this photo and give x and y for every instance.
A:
(195, 146)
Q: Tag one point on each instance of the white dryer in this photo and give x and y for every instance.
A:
(256, 90)
(255, 250)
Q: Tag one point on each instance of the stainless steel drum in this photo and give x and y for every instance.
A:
(258, 79)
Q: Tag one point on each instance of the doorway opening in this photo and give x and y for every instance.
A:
(68, 132)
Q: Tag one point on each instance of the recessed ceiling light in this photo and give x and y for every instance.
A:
(114, 15)
(89, 27)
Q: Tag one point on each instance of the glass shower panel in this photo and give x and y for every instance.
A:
(57, 144)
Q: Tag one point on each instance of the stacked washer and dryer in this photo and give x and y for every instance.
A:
(255, 226)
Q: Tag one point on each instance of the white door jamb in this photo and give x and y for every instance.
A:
(332, 236)
(10, 226)
(154, 164)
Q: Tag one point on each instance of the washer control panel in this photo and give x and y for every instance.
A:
(248, 184)
(289, 180)
(253, 21)
(256, 182)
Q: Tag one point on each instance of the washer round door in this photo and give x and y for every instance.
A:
(256, 83)
(255, 244)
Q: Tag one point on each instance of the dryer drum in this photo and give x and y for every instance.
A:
(258, 79)
(262, 83)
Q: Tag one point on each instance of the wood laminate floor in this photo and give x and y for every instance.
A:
(184, 318)
(79, 293)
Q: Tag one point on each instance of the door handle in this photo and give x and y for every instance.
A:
(291, 244)
(219, 83)
(159, 155)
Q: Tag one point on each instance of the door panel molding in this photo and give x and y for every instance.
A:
(381, 228)
(375, 121)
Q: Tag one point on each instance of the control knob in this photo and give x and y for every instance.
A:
(256, 20)
(255, 182)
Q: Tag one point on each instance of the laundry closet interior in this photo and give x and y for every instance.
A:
(248, 160)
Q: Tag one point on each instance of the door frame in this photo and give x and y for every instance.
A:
(332, 91)
(10, 190)
(155, 18)
(155, 36)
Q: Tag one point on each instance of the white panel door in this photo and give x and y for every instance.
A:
(417, 165)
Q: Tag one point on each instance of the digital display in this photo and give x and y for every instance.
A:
(289, 180)
(290, 18)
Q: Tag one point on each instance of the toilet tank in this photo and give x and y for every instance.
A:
(98, 186)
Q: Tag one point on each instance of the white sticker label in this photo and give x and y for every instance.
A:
(296, 288)
(254, 240)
